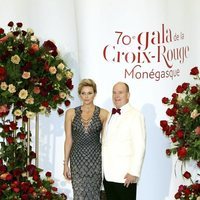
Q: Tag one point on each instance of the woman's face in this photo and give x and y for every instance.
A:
(87, 95)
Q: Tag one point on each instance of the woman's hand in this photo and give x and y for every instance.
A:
(66, 172)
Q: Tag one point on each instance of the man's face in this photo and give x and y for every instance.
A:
(120, 95)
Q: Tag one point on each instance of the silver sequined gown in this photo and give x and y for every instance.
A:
(85, 157)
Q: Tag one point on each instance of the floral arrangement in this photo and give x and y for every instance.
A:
(18, 179)
(183, 130)
(33, 77)
(191, 192)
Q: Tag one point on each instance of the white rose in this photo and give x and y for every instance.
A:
(194, 114)
(198, 198)
(30, 114)
(17, 112)
(10, 34)
(52, 70)
(69, 74)
(10, 48)
(4, 85)
(11, 88)
(33, 38)
(59, 76)
(42, 109)
(26, 75)
(61, 66)
(30, 30)
(62, 95)
(23, 94)
(15, 59)
(30, 100)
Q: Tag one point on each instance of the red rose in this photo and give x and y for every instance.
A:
(9, 177)
(1, 31)
(21, 136)
(15, 184)
(163, 123)
(49, 45)
(48, 174)
(56, 97)
(24, 197)
(10, 24)
(177, 195)
(31, 169)
(181, 188)
(25, 186)
(180, 134)
(19, 24)
(165, 100)
(45, 103)
(46, 67)
(31, 190)
(60, 111)
(69, 84)
(174, 95)
(4, 186)
(194, 90)
(187, 192)
(171, 112)
(36, 176)
(173, 139)
(182, 152)
(67, 102)
(32, 155)
(10, 139)
(6, 128)
(2, 73)
(13, 125)
(54, 189)
(25, 118)
(185, 86)
(194, 71)
(179, 89)
(187, 175)
(16, 189)
(3, 169)
(168, 152)
(186, 110)
(17, 172)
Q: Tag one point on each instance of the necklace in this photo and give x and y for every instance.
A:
(86, 122)
(87, 118)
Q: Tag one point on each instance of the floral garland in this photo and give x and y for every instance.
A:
(33, 78)
(183, 130)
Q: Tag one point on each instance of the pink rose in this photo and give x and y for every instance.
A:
(197, 130)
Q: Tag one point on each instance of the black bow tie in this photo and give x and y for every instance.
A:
(114, 111)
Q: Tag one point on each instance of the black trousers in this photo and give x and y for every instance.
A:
(117, 191)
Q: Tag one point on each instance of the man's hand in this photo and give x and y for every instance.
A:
(130, 179)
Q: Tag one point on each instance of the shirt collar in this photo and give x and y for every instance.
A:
(125, 107)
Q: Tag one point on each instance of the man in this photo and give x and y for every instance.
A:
(123, 147)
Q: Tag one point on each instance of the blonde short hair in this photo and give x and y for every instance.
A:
(87, 82)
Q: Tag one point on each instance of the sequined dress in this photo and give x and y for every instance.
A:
(85, 157)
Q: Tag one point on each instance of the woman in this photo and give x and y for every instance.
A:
(82, 147)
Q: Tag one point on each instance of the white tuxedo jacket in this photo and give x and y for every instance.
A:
(123, 144)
